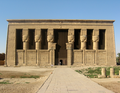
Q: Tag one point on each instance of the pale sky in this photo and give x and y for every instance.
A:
(59, 9)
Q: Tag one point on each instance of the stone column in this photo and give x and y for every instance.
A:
(37, 44)
(83, 46)
(95, 42)
(69, 47)
(83, 38)
(51, 47)
(37, 41)
(95, 39)
(25, 39)
(50, 39)
(52, 53)
(83, 41)
(119, 73)
(112, 72)
(95, 47)
(103, 72)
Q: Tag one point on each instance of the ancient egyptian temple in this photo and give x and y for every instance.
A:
(52, 42)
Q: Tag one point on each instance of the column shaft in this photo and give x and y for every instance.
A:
(69, 57)
(25, 49)
(37, 45)
(83, 45)
(53, 57)
(69, 53)
(95, 45)
(25, 39)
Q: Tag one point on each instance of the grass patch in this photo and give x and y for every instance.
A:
(26, 74)
(95, 71)
(92, 76)
(5, 82)
(27, 82)
(12, 76)
(29, 76)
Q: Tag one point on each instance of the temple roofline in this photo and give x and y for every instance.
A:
(58, 20)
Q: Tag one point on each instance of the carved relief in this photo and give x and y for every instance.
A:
(69, 46)
(89, 57)
(83, 41)
(37, 38)
(25, 38)
(101, 58)
(71, 39)
(31, 57)
(50, 38)
(83, 38)
(44, 58)
(78, 57)
(95, 38)
(53, 46)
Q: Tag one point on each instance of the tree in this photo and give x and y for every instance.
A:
(118, 55)
(118, 58)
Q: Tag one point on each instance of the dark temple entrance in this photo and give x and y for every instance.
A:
(61, 52)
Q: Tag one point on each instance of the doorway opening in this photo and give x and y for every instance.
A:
(61, 62)
(61, 36)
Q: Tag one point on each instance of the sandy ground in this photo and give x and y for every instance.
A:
(109, 83)
(22, 85)
(31, 85)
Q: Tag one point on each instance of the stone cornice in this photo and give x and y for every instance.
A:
(57, 21)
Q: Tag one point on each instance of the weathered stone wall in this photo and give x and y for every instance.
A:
(47, 57)
(77, 58)
(19, 57)
(101, 57)
(43, 59)
(11, 46)
(31, 57)
(89, 57)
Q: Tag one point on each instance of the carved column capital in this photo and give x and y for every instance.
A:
(50, 38)
(52, 46)
(71, 39)
(95, 42)
(37, 38)
(25, 38)
(69, 46)
(83, 38)
(95, 38)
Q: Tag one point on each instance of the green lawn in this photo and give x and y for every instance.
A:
(93, 72)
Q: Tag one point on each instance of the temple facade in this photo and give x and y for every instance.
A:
(52, 42)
